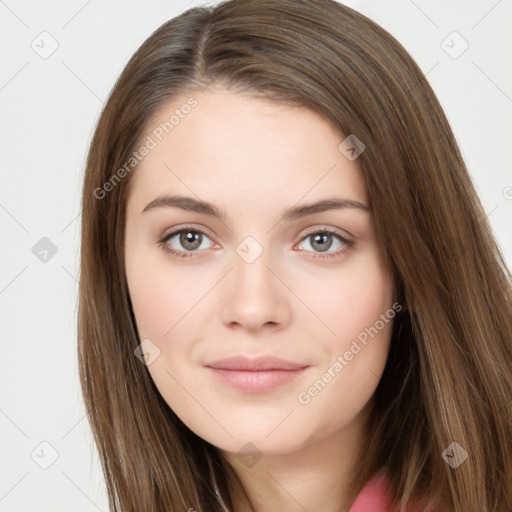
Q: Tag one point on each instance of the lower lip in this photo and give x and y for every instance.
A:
(256, 381)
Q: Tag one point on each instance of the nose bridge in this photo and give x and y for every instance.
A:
(253, 297)
(254, 276)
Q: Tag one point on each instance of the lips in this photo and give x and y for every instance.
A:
(256, 375)
(258, 364)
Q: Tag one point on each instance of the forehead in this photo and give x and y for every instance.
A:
(234, 148)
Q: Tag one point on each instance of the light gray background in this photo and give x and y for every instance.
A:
(49, 107)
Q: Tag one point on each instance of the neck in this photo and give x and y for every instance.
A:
(315, 476)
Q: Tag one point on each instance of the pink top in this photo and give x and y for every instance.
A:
(374, 496)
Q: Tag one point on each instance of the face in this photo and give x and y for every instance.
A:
(255, 272)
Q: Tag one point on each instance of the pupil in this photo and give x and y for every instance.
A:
(190, 239)
(322, 239)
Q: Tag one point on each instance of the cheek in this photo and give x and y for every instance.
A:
(366, 297)
(155, 306)
(350, 301)
(360, 312)
(162, 296)
(166, 304)
(368, 321)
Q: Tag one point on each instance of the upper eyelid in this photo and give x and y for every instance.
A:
(173, 232)
(334, 231)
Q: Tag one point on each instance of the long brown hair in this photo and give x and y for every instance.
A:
(448, 376)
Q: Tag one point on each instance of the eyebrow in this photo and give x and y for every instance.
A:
(297, 212)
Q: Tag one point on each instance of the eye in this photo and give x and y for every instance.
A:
(185, 242)
(321, 241)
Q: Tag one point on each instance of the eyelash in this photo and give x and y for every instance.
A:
(187, 254)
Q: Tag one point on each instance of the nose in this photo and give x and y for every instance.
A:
(254, 297)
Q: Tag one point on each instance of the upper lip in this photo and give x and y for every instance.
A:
(255, 364)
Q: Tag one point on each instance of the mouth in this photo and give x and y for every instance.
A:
(256, 375)
(256, 381)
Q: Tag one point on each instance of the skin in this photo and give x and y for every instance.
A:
(255, 159)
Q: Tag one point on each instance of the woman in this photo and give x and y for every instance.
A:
(290, 295)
